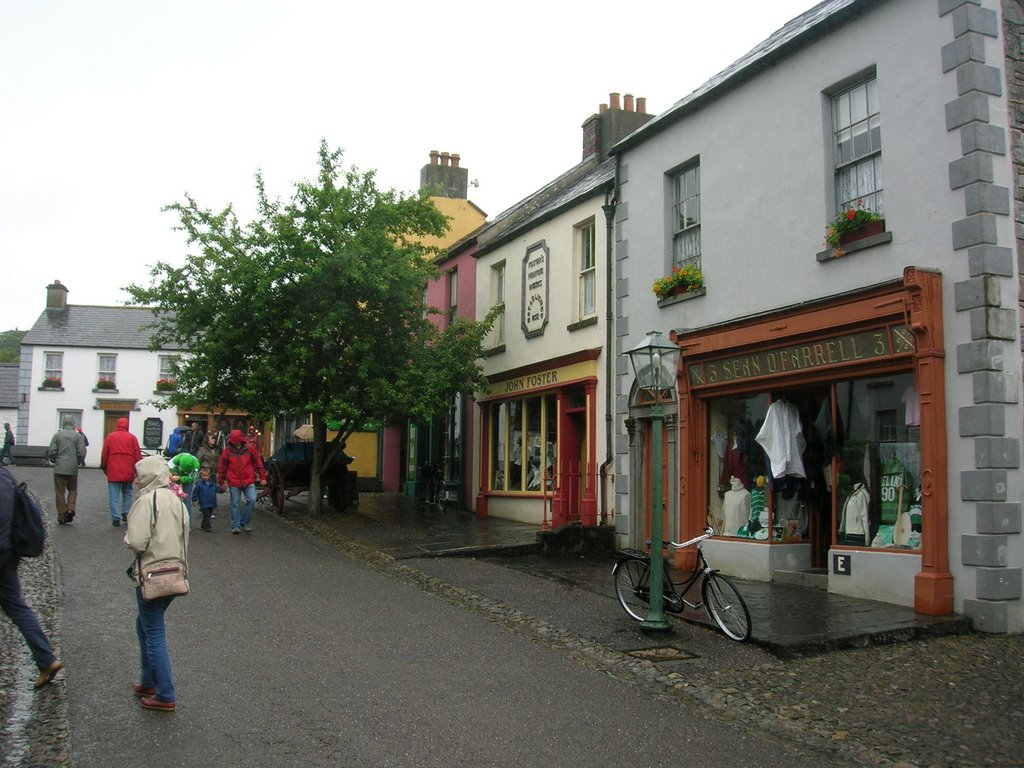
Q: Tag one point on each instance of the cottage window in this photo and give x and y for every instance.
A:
(857, 148)
(686, 217)
(585, 245)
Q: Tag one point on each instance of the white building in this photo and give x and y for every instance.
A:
(897, 358)
(92, 365)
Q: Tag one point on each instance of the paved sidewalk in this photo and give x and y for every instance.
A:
(789, 620)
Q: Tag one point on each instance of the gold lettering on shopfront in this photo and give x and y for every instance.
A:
(839, 350)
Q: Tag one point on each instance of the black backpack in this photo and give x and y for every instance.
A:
(28, 531)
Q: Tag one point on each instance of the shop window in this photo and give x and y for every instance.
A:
(826, 464)
(524, 437)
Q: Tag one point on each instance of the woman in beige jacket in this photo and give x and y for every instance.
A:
(155, 534)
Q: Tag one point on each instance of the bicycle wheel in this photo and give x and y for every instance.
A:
(725, 605)
(632, 585)
(442, 498)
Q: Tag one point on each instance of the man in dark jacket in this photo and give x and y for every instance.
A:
(121, 452)
(194, 439)
(236, 471)
(10, 589)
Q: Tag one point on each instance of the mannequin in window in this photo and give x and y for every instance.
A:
(736, 507)
(854, 526)
(732, 463)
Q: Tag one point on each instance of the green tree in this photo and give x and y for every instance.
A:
(315, 306)
(10, 345)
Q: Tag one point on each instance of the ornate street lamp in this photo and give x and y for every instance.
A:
(655, 361)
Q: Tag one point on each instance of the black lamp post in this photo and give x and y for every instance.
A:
(655, 361)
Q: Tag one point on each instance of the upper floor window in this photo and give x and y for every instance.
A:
(167, 366)
(686, 217)
(453, 295)
(54, 366)
(106, 366)
(586, 242)
(857, 147)
(498, 300)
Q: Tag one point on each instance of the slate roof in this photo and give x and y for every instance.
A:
(9, 385)
(794, 35)
(85, 326)
(584, 187)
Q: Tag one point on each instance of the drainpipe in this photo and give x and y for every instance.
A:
(610, 199)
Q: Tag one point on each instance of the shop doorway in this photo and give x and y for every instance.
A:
(110, 421)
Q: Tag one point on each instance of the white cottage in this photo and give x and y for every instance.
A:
(92, 365)
(848, 412)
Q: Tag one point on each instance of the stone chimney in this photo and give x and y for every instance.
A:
(612, 124)
(56, 297)
(443, 171)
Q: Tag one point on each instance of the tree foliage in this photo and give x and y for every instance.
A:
(10, 345)
(315, 306)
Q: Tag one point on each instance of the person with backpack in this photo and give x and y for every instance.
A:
(11, 601)
(174, 442)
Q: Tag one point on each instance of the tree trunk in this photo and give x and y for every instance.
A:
(314, 501)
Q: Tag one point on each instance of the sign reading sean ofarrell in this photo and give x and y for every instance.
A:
(535, 289)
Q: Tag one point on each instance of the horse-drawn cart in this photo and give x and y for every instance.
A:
(288, 474)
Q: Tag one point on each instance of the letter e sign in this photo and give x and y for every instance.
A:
(842, 564)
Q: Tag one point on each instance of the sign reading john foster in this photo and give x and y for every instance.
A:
(535, 289)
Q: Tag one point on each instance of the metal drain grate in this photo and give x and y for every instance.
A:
(665, 653)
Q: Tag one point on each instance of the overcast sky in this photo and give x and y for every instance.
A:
(110, 110)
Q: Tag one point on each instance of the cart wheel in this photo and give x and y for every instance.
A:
(276, 483)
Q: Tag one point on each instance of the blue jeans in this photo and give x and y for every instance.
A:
(250, 500)
(115, 493)
(156, 663)
(23, 617)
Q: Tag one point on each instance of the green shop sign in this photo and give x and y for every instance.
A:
(823, 353)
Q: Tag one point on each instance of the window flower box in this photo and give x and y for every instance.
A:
(106, 384)
(680, 280)
(852, 225)
(166, 385)
(51, 383)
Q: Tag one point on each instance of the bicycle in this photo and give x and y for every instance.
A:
(720, 597)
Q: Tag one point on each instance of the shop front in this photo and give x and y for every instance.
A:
(538, 427)
(814, 440)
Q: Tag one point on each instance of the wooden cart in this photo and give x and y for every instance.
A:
(288, 474)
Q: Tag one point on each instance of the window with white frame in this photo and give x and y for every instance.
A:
(53, 370)
(686, 217)
(167, 366)
(857, 148)
(64, 416)
(585, 245)
(498, 300)
(453, 295)
(106, 369)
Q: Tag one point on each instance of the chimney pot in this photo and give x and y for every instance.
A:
(433, 156)
(455, 159)
(602, 108)
(613, 101)
(444, 159)
(641, 105)
(628, 102)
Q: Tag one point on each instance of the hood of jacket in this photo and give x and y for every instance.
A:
(122, 423)
(152, 473)
(236, 436)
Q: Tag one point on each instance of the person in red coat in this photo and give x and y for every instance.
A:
(121, 453)
(239, 465)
